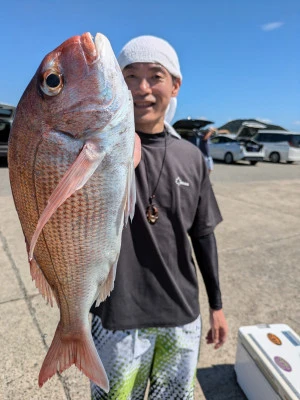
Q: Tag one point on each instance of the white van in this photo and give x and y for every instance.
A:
(279, 145)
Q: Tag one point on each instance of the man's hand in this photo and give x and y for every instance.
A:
(137, 151)
(219, 329)
(209, 132)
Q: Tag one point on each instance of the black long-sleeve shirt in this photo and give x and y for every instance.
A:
(205, 249)
(156, 282)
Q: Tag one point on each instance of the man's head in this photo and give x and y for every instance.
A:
(151, 69)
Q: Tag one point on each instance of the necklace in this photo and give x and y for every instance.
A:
(151, 209)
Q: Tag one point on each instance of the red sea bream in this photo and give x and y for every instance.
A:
(72, 178)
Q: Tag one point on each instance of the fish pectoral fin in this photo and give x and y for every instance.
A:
(41, 282)
(130, 194)
(74, 179)
(106, 287)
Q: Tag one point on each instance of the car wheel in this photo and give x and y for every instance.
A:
(228, 158)
(274, 157)
(253, 162)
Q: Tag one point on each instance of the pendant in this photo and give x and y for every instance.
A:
(152, 214)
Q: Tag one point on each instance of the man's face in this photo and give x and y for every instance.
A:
(152, 87)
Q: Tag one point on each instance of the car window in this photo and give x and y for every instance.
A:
(261, 137)
(224, 139)
(270, 137)
(277, 137)
(4, 131)
(215, 140)
(6, 112)
(294, 140)
(228, 140)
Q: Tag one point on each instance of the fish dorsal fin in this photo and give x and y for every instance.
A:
(75, 178)
(130, 194)
(41, 282)
(106, 287)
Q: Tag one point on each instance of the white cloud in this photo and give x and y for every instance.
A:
(296, 123)
(271, 26)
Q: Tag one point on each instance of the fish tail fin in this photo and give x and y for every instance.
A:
(80, 350)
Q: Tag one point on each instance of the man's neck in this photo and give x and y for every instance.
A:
(150, 128)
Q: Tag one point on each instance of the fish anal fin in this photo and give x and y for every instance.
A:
(79, 349)
(130, 194)
(41, 282)
(106, 287)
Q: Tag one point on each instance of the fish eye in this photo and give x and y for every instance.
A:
(53, 80)
(52, 83)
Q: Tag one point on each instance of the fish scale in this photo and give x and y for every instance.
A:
(70, 161)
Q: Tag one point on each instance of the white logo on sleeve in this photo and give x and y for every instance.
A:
(180, 182)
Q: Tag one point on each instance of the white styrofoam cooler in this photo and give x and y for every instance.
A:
(268, 362)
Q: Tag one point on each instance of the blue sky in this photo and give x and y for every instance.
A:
(239, 58)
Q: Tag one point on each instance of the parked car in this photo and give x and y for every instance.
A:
(280, 145)
(229, 149)
(190, 129)
(6, 117)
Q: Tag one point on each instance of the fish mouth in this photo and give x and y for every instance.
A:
(93, 48)
(89, 48)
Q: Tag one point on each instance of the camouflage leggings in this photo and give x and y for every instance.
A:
(166, 356)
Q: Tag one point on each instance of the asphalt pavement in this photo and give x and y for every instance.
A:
(259, 253)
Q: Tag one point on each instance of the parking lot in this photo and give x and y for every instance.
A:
(259, 253)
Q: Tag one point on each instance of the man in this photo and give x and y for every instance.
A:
(204, 147)
(149, 327)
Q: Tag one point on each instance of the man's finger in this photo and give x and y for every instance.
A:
(216, 337)
(209, 338)
(223, 337)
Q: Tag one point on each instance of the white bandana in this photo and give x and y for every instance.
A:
(150, 49)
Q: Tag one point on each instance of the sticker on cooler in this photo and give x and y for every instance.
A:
(283, 364)
(274, 339)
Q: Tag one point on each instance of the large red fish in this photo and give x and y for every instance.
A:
(71, 171)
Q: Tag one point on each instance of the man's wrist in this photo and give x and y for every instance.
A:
(212, 309)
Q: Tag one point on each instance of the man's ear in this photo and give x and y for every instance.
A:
(176, 86)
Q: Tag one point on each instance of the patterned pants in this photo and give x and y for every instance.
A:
(166, 356)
